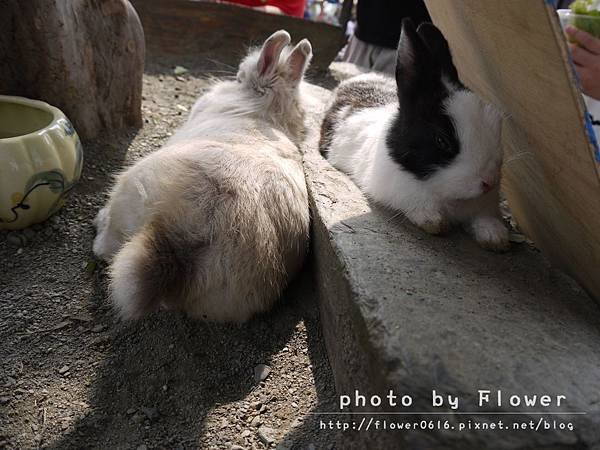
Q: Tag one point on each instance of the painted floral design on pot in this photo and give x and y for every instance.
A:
(41, 158)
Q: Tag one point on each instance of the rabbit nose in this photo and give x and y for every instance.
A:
(487, 186)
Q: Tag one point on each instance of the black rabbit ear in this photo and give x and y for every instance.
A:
(438, 45)
(416, 68)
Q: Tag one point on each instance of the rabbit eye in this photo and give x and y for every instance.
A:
(442, 143)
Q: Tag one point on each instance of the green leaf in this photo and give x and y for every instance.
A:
(587, 16)
(90, 267)
(585, 7)
(180, 70)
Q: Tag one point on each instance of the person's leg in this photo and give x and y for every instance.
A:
(384, 60)
(358, 52)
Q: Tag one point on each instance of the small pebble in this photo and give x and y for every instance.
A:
(14, 239)
(142, 447)
(261, 372)
(151, 413)
(63, 370)
(29, 233)
(266, 435)
(246, 433)
(98, 328)
(256, 422)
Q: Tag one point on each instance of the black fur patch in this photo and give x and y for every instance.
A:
(423, 140)
(422, 137)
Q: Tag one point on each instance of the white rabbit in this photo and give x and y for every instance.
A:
(216, 222)
(423, 144)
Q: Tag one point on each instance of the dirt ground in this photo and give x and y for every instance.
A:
(72, 376)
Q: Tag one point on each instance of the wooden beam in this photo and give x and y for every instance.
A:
(223, 31)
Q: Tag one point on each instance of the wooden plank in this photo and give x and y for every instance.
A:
(516, 56)
(223, 32)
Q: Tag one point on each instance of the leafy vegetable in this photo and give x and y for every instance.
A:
(180, 70)
(591, 23)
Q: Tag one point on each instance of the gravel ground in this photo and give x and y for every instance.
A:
(72, 376)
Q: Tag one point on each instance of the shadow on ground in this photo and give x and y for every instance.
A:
(172, 371)
(71, 376)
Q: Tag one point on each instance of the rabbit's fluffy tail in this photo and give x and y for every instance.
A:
(155, 268)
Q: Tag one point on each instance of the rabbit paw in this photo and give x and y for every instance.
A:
(491, 234)
(431, 223)
(101, 220)
(105, 243)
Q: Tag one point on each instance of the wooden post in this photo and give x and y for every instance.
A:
(84, 56)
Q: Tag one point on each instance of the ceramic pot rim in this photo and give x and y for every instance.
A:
(37, 104)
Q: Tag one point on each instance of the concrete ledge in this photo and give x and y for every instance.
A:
(409, 312)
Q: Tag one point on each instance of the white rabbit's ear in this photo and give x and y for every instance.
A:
(298, 60)
(271, 49)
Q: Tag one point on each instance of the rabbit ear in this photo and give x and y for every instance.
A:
(416, 69)
(271, 49)
(298, 60)
(438, 45)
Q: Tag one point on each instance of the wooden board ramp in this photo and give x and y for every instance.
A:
(516, 56)
(223, 32)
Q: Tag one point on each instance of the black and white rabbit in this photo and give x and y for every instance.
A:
(422, 144)
(216, 222)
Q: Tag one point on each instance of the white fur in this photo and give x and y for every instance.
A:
(452, 194)
(230, 181)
